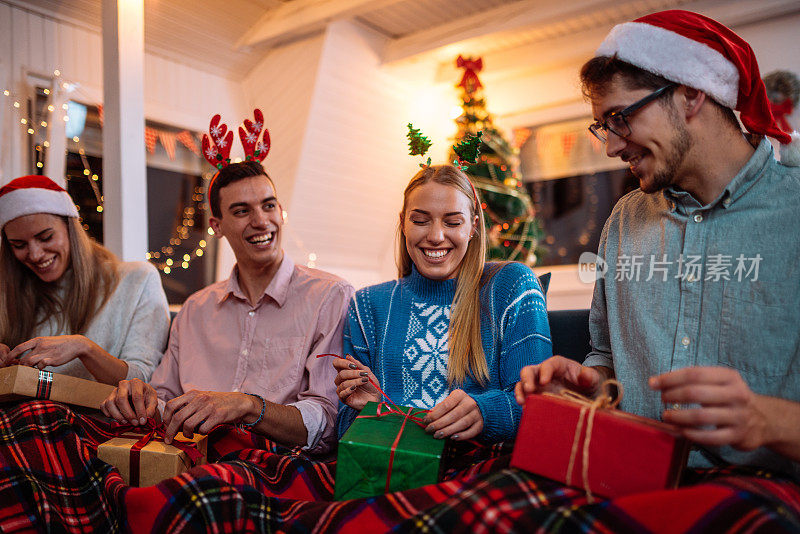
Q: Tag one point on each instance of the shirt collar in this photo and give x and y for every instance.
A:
(738, 186)
(278, 288)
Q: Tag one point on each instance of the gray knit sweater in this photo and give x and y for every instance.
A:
(132, 326)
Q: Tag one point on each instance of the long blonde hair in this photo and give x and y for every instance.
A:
(26, 302)
(466, 347)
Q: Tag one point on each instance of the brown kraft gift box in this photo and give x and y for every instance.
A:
(157, 460)
(20, 382)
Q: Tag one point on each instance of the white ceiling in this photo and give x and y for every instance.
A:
(229, 37)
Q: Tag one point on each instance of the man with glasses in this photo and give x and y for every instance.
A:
(705, 333)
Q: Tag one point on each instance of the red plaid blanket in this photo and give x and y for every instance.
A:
(52, 481)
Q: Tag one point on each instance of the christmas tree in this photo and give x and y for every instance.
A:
(514, 233)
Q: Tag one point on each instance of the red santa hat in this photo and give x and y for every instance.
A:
(34, 194)
(699, 52)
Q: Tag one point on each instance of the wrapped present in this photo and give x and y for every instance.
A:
(145, 460)
(592, 445)
(386, 449)
(20, 381)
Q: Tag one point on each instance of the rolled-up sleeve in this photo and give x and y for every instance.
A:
(318, 402)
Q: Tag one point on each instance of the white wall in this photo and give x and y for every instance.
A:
(30, 43)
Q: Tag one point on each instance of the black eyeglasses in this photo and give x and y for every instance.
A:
(617, 122)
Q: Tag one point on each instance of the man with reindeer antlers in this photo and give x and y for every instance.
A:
(243, 350)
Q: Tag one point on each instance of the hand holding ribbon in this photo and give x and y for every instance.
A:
(356, 385)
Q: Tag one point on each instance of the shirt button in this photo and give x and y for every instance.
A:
(698, 218)
(685, 341)
(727, 201)
(251, 313)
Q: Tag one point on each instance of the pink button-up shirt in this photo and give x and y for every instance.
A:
(219, 342)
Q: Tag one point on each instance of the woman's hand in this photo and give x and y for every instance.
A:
(457, 416)
(50, 351)
(352, 383)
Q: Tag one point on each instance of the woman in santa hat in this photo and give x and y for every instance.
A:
(67, 304)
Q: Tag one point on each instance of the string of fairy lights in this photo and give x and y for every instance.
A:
(168, 258)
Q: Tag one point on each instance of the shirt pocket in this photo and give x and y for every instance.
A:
(758, 331)
(283, 364)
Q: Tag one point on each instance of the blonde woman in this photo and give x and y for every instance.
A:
(67, 304)
(452, 333)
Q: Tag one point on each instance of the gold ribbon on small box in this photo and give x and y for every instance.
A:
(603, 401)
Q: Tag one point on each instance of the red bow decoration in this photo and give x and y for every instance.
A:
(389, 407)
(152, 431)
(780, 112)
(469, 81)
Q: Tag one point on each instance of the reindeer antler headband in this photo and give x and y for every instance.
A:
(217, 143)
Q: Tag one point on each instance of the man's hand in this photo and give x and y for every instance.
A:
(352, 383)
(201, 411)
(457, 415)
(49, 351)
(132, 401)
(555, 374)
(729, 413)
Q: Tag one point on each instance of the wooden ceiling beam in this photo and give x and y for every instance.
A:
(301, 17)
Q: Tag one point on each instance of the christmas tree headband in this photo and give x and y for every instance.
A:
(217, 143)
(466, 151)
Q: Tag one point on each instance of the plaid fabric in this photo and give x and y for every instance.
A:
(53, 481)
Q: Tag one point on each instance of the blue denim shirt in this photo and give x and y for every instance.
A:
(714, 285)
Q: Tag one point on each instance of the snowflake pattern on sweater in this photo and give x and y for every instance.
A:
(426, 352)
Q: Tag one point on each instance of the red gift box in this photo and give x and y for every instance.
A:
(593, 446)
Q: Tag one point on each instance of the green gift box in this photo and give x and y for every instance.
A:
(371, 448)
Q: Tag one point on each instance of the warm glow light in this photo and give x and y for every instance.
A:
(16, 104)
(47, 91)
(23, 121)
(6, 93)
(50, 107)
(46, 144)
(65, 106)
(169, 261)
(44, 124)
(39, 164)
(56, 72)
(147, 256)
(99, 209)
(455, 112)
(76, 138)
(199, 252)
(185, 264)
(30, 131)
(312, 257)
(167, 270)
(66, 119)
(186, 257)
(202, 243)
(210, 231)
(87, 172)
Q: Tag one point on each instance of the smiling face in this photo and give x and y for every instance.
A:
(41, 243)
(251, 220)
(658, 143)
(437, 224)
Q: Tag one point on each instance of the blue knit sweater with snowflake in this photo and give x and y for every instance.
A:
(400, 330)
